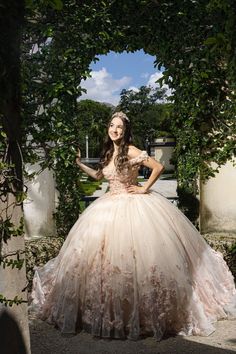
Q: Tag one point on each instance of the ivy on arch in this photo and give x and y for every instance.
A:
(194, 40)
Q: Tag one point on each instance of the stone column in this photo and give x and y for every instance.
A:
(40, 204)
(14, 328)
(218, 201)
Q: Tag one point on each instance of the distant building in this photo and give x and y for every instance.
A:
(162, 150)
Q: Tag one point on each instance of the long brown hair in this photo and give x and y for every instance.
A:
(108, 147)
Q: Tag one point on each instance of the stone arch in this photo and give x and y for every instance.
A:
(174, 32)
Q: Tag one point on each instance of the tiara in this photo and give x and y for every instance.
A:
(120, 115)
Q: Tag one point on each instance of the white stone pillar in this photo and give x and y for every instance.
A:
(40, 204)
(218, 201)
(87, 146)
(14, 320)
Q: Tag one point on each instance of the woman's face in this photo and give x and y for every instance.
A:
(116, 129)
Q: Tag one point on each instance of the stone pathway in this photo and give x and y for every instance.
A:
(168, 188)
(165, 187)
(102, 190)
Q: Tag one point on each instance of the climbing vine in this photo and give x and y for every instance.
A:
(193, 39)
(12, 191)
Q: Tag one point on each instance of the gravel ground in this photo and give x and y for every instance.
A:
(45, 339)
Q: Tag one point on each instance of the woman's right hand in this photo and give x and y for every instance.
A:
(88, 170)
(78, 157)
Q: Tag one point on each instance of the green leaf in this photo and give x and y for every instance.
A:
(56, 4)
(210, 41)
(3, 134)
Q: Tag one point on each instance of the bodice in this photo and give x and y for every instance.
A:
(119, 181)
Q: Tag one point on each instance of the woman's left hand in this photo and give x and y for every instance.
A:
(133, 189)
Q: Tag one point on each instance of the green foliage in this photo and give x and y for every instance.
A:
(11, 302)
(200, 70)
(233, 249)
(149, 117)
(67, 179)
(9, 229)
(13, 263)
(62, 46)
(38, 252)
(89, 187)
(193, 40)
(231, 259)
(55, 4)
(92, 120)
(11, 195)
(9, 191)
(224, 243)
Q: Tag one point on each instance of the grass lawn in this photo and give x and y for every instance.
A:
(89, 187)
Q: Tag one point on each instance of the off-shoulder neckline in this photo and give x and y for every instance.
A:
(143, 152)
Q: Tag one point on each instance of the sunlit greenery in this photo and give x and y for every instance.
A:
(193, 40)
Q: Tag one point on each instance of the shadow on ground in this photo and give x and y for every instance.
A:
(47, 340)
(11, 338)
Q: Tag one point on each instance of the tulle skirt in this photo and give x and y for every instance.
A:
(134, 265)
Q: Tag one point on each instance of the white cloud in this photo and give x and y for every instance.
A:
(133, 88)
(102, 87)
(152, 82)
(144, 75)
(153, 78)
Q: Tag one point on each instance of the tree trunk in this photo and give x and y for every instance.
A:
(14, 329)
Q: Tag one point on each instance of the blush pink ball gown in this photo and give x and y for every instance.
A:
(134, 265)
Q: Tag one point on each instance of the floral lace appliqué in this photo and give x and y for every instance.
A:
(119, 181)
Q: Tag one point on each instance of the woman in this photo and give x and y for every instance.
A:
(133, 264)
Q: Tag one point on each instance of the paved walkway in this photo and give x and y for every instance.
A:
(165, 187)
(100, 192)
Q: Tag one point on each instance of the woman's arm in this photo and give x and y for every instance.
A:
(88, 170)
(156, 167)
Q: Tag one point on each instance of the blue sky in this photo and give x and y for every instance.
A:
(116, 71)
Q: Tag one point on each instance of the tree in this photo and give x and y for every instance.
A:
(200, 69)
(58, 47)
(149, 117)
(92, 120)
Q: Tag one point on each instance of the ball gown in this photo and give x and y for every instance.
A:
(133, 265)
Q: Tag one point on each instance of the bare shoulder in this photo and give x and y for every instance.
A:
(133, 151)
